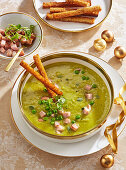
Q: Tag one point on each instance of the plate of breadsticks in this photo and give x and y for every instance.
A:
(72, 15)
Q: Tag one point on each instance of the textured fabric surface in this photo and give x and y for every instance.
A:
(15, 152)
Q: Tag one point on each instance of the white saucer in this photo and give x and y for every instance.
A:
(89, 146)
(69, 26)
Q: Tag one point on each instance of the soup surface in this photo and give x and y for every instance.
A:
(85, 99)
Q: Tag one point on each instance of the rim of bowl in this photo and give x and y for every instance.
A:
(82, 30)
(41, 29)
(78, 55)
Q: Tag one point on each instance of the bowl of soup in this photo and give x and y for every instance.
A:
(82, 109)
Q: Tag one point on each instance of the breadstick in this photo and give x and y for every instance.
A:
(86, 20)
(75, 12)
(61, 4)
(40, 78)
(42, 71)
(79, 2)
(56, 10)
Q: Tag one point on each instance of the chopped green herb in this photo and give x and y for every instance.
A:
(40, 102)
(82, 72)
(52, 123)
(49, 113)
(94, 86)
(77, 116)
(91, 103)
(53, 119)
(31, 107)
(33, 111)
(68, 128)
(47, 108)
(60, 117)
(45, 118)
(76, 71)
(57, 118)
(83, 77)
(73, 121)
(45, 90)
(87, 78)
(79, 99)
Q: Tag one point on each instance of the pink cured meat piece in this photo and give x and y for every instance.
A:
(67, 121)
(14, 47)
(87, 109)
(88, 87)
(56, 124)
(42, 114)
(23, 40)
(74, 127)
(7, 45)
(9, 53)
(2, 43)
(60, 128)
(66, 114)
(2, 50)
(14, 53)
(89, 96)
(29, 42)
(40, 120)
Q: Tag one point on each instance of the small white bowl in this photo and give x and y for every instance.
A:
(25, 20)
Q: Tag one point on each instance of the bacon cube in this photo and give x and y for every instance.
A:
(9, 53)
(67, 121)
(40, 120)
(2, 50)
(89, 96)
(2, 43)
(66, 114)
(42, 114)
(23, 40)
(74, 127)
(56, 124)
(14, 46)
(88, 87)
(7, 45)
(87, 109)
(60, 128)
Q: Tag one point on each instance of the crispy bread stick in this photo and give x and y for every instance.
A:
(79, 2)
(75, 12)
(56, 10)
(61, 4)
(40, 78)
(85, 20)
(42, 71)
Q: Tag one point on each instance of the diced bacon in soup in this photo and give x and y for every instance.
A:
(66, 114)
(56, 124)
(87, 109)
(74, 127)
(88, 87)
(89, 96)
(42, 114)
(67, 121)
(14, 47)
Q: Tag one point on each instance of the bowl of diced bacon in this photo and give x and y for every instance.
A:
(19, 30)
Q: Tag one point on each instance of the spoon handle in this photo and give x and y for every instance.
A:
(13, 60)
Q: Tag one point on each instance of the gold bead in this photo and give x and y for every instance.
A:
(107, 161)
(120, 52)
(100, 44)
(108, 36)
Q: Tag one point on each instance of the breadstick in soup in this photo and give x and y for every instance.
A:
(42, 71)
(40, 78)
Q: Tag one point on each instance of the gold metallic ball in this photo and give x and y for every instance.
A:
(120, 52)
(100, 44)
(107, 161)
(108, 36)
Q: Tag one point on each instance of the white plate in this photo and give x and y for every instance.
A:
(89, 146)
(25, 20)
(69, 26)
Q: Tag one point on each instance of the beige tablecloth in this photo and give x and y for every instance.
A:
(15, 152)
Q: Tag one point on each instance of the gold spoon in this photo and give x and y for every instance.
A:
(13, 60)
